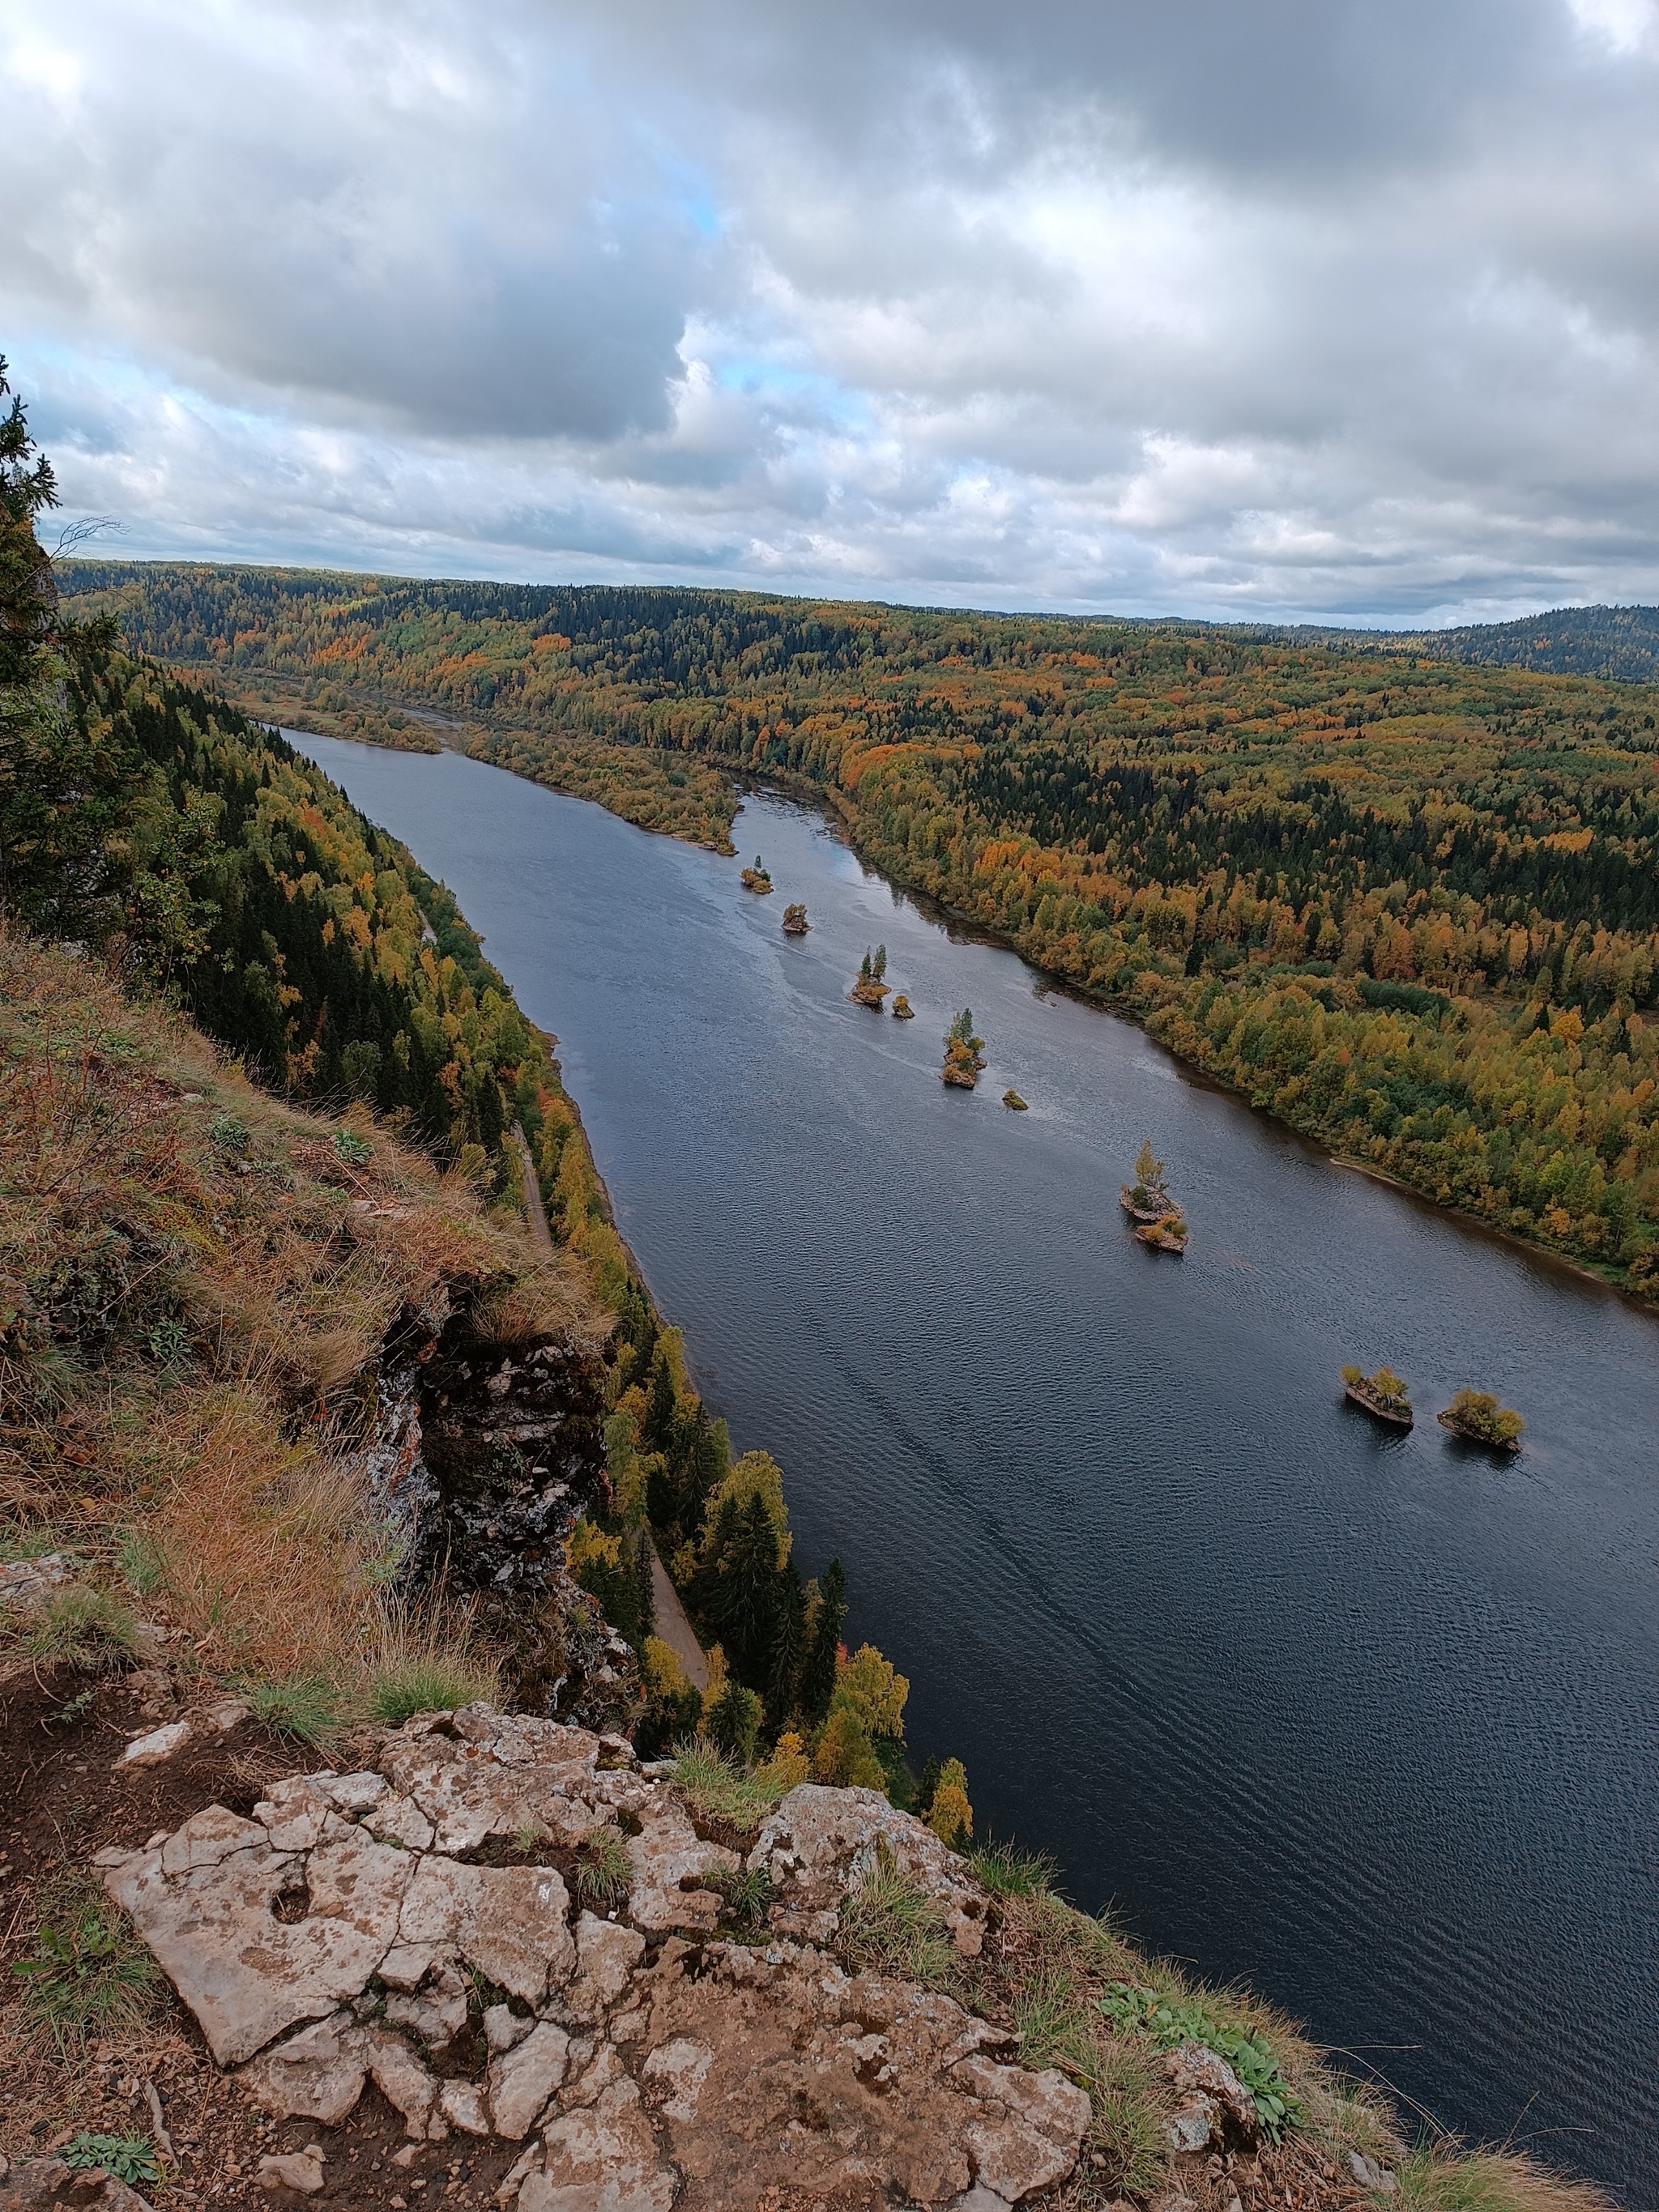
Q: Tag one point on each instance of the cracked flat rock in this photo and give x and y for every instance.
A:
(338, 1938)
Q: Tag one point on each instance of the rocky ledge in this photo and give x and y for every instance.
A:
(413, 1925)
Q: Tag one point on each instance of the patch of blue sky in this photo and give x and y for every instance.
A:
(759, 376)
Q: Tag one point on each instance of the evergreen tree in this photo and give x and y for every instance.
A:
(878, 965)
(817, 1673)
(788, 1645)
(657, 1431)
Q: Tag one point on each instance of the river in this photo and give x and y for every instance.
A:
(1363, 1719)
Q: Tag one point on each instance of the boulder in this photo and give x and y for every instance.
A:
(1212, 2105)
(214, 1926)
(820, 1842)
(665, 1856)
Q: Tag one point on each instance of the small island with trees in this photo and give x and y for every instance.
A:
(964, 1052)
(1158, 1219)
(902, 1010)
(755, 878)
(795, 923)
(1382, 1395)
(869, 989)
(1477, 1417)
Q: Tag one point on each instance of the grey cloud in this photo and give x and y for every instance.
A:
(1293, 305)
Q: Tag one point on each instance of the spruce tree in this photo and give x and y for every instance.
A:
(817, 1674)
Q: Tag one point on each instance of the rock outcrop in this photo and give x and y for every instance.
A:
(417, 1924)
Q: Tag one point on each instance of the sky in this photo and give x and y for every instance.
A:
(1250, 309)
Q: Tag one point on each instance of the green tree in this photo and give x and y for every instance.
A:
(733, 1722)
(817, 1674)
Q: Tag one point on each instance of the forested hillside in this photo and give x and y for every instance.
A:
(1411, 906)
(201, 861)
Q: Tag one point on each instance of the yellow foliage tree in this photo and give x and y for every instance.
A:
(951, 1816)
(868, 1687)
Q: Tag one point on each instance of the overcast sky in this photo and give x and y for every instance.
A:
(1237, 307)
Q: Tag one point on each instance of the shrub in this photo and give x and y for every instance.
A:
(86, 1629)
(356, 1151)
(86, 1976)
(309, 1708)
(1479, 1412)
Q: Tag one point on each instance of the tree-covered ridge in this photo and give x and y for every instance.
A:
(1411, 906)
(295, 931)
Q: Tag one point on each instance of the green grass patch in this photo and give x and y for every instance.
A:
(88, 1629)
(1004, 1870)
(720, 1790)
(86, 1976)
(891, 1926)
(427, 1683)
(307, 1708)
(141, 1562)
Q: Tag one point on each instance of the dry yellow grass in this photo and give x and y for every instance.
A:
(194, 1283)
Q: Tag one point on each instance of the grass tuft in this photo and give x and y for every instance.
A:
(87, 1629)
(603, 1871)
(1004, 1870)
(747, 1891)
(426, 1683)
(308, 1708)
(720, 1790)
(1440, 2177)
(890, 1926)
(86, 1976)
(141, 1562)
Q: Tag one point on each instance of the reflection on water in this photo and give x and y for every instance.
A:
(1360, 1716)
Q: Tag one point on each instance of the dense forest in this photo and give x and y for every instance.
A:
(147, 818)
(1412, 906)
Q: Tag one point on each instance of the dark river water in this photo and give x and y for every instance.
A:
(1363, 1719)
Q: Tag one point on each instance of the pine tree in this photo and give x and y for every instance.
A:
(878, 965)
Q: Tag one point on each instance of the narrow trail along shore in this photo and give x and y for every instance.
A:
(673, 1627)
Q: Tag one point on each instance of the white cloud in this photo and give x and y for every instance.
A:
(1310, 307)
